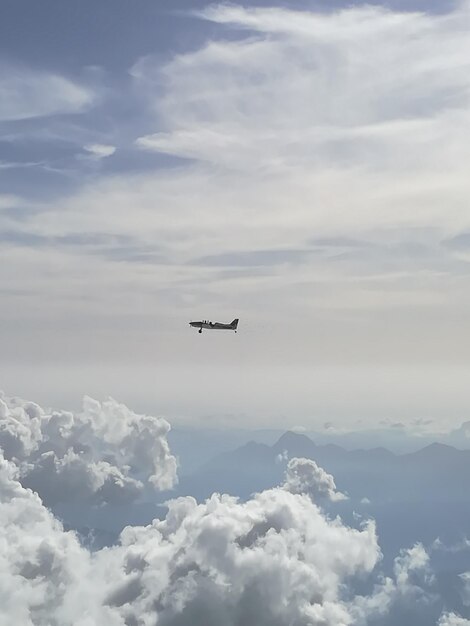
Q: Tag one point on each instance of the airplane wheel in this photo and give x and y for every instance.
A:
(200, 331)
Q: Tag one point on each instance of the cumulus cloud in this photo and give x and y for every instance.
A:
(106, 453)
(305, 476)
(27, 93)
(275, 559)
(42, 568)
(415, 560)
(410, 590)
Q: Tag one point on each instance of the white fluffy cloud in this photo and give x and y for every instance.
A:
(305, 476)
(46, 577)
(275, 559)
(106, 453)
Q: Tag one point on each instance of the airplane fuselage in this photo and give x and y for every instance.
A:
(206, 324)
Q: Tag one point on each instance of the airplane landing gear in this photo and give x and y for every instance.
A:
(200, 331)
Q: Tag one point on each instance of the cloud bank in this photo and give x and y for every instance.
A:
(275, 559)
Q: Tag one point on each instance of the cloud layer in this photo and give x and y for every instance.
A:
(277, 558)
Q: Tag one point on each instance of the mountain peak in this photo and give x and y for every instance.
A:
(291, 439)
(436, 451)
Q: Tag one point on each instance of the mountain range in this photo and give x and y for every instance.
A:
(418, 496)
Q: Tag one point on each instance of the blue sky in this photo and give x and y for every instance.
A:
(300, 166)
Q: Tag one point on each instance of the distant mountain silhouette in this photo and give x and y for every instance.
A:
(417, 496)
(291, 439)
(435, 473)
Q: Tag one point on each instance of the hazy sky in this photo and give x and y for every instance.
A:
(303, 167)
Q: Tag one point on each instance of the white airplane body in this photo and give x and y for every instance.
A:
(215, 325)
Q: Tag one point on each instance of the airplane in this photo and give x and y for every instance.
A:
(215, 325)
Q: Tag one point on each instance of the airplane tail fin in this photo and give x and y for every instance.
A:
(234, 324)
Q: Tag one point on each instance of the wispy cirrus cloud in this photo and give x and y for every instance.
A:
(26, 93)
(99, 150)
(452, 619)
(311, 92)
(329, 147)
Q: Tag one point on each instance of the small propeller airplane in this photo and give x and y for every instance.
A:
(214, 325)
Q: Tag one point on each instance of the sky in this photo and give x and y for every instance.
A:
(302, 166)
